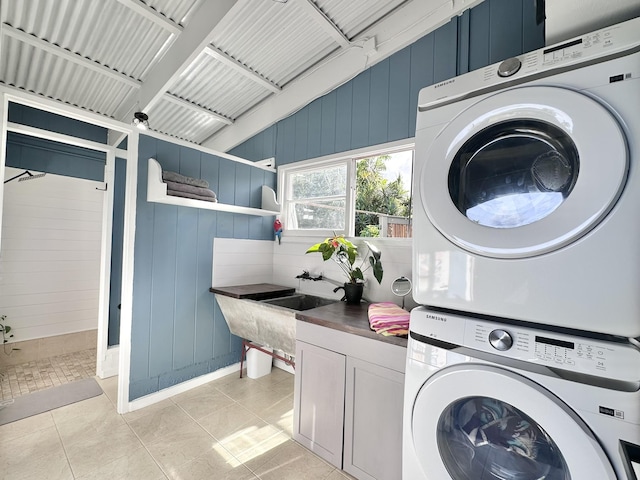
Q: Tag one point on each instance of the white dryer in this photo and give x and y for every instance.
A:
(488, 401)
(527, 187)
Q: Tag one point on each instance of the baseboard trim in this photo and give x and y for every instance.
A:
(180, 388)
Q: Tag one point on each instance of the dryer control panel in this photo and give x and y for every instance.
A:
(618, 361)
(594, 47)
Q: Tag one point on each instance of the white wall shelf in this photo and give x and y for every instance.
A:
(157, 193)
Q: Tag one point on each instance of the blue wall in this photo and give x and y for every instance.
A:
(32, 153)
(380, 104)
(178, 331)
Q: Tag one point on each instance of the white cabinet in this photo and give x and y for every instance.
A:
(373, 421)
(349, 399)
(318, 412)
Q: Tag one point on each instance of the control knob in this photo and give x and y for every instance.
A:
(500, 340)
(509, 67)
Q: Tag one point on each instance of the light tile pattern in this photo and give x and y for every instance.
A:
(228, 429)
(29, 377)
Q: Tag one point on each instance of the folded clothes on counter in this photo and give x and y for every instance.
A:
(181, 187)
(177, 193)
(178, 178)
(388, 319)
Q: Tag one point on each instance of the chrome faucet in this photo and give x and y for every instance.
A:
(305, 275)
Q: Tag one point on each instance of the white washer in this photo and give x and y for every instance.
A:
(488, 401)
(527, 187)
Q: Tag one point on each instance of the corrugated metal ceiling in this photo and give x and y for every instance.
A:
(178, 11)
(106, 32)
(98, 54)
(278, 40)
(355, 16)
(210, 84)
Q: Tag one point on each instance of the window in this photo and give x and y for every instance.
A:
(318, 198)
(365, 194)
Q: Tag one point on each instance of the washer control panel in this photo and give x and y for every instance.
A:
(619, 361)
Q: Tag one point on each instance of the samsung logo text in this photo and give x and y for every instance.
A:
(442, 84)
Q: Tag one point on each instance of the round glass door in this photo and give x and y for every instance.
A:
(481, 422)
(523, 172)
(513, 173)
(484, 438)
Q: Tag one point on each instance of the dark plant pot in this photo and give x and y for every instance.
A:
(353, 293)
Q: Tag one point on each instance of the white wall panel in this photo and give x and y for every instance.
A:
(289, 260)
(241, 262)
(50, 258)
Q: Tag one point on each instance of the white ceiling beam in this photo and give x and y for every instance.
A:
(66, 54)
(185, 103)
(40, 102)
(240, 68)
(325, 22)
(414, 20)
(150, 14)
(186, 48)
(189, 44)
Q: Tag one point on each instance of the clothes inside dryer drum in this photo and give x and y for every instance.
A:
(481, 438)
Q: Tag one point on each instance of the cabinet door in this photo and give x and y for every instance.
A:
(373, 421)
(318, 414)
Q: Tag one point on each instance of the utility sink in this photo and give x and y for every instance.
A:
(270, 322)
(300, 302)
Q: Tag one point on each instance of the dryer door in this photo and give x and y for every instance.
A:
(477, 422)
(524, 172)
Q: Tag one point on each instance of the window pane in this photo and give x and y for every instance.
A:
(329, 214)
(326, 182)
(317, 198)
(383, 195)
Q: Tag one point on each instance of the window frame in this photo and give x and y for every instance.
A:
(348, 158)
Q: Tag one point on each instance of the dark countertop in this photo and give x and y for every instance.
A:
(347, 318)
(257, 291)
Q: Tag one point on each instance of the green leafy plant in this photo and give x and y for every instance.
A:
(345, 253)
(5, 329)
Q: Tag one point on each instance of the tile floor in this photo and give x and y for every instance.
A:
(29, 377)
(228, 429)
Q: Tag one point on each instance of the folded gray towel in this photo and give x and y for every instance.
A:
(175, 193)
(181, 187)
(176, 177)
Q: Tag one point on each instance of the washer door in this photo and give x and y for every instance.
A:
(478, 422)
(524, 172)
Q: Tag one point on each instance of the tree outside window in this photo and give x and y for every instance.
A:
(383, 203)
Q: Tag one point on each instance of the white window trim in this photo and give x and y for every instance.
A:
(336, 159)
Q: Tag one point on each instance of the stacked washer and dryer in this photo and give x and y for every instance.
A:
(523, 361)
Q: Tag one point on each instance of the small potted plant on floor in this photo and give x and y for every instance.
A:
(345, 254)
(6, 333)
(5, 329)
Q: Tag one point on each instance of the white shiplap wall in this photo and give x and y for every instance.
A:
(50, 257)
(289, 260)
(241, 262)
